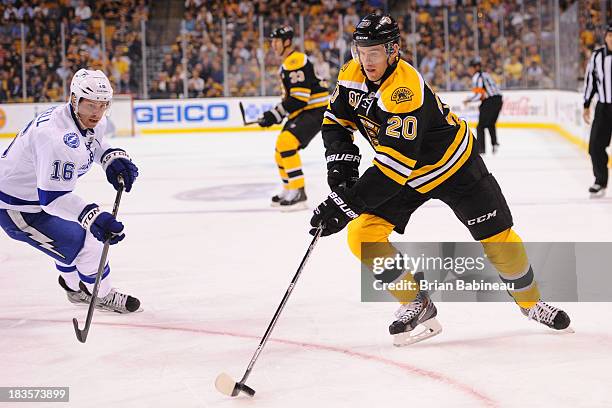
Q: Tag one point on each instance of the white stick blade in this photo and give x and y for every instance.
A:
(225, 384)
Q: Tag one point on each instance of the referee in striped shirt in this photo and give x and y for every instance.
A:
(487, 92)
(598, 80)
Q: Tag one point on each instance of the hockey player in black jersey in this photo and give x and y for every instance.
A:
(303, 102)
(422, 151)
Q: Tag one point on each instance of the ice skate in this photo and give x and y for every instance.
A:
(421, 313)
(115, 301)
(74, 296)
(294, 200)
(548, 315)
(277, 198)
(597, 191)
(495, 148)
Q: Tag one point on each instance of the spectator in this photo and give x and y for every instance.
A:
(514, 72)
(82, 11)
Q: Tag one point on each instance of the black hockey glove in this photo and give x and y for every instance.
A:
(340, 208)
(273, 117)
(342, 164)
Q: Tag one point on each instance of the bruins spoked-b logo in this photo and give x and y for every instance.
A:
(402, 94)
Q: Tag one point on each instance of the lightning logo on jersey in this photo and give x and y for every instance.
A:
(44, 241)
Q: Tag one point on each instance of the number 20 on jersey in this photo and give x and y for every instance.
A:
(405, 127)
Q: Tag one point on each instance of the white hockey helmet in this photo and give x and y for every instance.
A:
(92, 85)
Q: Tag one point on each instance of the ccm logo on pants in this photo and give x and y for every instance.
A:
(482, 218)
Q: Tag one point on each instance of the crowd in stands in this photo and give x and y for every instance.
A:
(514, 40)
(84, 24)
(248, 64)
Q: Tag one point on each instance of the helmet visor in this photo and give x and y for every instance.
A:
(374, 54)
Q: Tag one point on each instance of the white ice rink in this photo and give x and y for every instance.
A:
(210, 260)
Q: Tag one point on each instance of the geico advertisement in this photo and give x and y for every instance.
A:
(198, 113)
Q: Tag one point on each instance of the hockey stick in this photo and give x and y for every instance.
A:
(246, 123)
(224, 382)
(82, 334)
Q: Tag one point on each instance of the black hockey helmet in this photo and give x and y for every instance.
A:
(375, 29)
(284, 32)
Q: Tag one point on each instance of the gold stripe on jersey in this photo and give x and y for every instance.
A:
(330, 119)
(396, 156)
(429, 177)
(300, 97)
(320, 95)
(302, 94)
(440, 104)
(393, 164)
(466, 155)
(447, 154)
(403, 91)
(295, 60)
(391, 169)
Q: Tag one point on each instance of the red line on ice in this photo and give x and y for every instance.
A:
(432, 375)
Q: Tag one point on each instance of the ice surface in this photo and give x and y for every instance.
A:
(210, 260)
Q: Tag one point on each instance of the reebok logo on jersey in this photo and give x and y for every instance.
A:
(402, 94)
(72, 140)
(343, 206)
(343, 157)
(482, 218)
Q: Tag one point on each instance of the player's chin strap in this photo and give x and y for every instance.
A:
(290, 46)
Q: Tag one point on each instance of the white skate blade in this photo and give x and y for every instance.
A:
(600, 194)
(568, 330)
(295, 207)
(431, 328)
(225, 384)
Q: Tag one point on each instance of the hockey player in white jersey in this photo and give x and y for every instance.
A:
(38, 174)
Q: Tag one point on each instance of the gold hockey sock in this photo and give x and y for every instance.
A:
(281, 169)
(507, 253)
(287, 146)
(368, 239)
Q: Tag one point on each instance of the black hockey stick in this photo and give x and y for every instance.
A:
(82, 334)
(246, 123)
(224, 382)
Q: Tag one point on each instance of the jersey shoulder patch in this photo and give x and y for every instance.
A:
(403, 91)
(295, 60)
(351, 71)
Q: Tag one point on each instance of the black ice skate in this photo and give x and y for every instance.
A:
(115, 301)
(597, 191)
(548, 315)
(420, 312)
(277, 198)
(74, 296)
(294, 200)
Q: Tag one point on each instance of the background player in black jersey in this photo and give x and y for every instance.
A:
(303, 101)
(423, 151)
